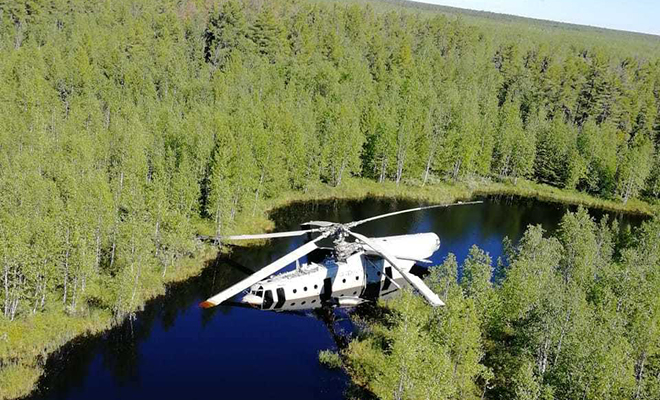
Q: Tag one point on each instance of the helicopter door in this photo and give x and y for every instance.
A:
(327, 289)
(268, 299)
(281, 298)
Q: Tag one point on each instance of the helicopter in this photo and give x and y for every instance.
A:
(345, 274)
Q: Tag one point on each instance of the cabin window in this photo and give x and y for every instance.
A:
(316, 286)
(378, 273)
(357, 278)
(305, 288)
(293, 304)
(313, 301)
(295, 290)
(302, 304)
(354, 293)
(343, 280)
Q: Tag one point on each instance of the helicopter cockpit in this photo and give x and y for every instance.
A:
(260, 298)
(259, 292)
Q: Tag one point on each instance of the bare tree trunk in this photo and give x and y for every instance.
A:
(6, 286)
(97, 261)
(114, 229)
(639, 375)
(233, 208)
(504, 171)
(628, 188)
(400, 161)
(256, 195)
(107, 116)
(74, 296)
(18, 40)
(427, 169)
(157, 237)
(217, 220)
(43, 290)
(457, 168)
(543, 364)
(66, 265)
(36, 298)
(135, 284)
(561, 335)
(341, 172)
(15, 297)
(383, 168)
(112, 251)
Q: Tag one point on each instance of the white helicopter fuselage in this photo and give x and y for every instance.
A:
(361, 276)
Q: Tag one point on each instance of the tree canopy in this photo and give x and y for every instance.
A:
(124, 122)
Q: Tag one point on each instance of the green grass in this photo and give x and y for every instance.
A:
(17, 380)
(25, 344)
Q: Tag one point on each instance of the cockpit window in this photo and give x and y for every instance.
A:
(260, 293)
(268, 300)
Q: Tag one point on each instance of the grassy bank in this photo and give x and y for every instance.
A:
(358, 188)
(25, 344)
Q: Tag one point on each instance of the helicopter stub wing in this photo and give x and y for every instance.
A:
(263, 273)
(413, 280)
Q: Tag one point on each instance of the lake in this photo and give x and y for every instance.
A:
(174, 349)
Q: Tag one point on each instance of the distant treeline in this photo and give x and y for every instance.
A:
(122, 122)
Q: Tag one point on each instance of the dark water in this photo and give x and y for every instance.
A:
(173, 349)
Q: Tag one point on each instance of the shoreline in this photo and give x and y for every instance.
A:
(22, 363)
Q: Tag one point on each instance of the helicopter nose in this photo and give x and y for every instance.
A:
(252, 300)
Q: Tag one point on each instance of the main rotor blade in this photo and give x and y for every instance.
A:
(413, 280)
(356, 223)
(268, 235)
(319, 223)
(263, 273)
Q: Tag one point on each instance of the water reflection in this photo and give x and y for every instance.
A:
(173, 348)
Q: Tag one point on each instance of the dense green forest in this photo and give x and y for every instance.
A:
(123, 124)
(571, 316)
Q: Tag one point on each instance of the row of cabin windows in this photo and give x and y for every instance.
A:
(303, 303)
(357, 278)
(314, 301)
(305, 288)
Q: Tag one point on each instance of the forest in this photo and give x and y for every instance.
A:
(126, 125)
(574, 315)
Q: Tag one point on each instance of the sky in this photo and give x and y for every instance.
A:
(628, 15)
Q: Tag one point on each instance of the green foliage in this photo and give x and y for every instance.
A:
(330, 359)
(123, 125)
(569, 319)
